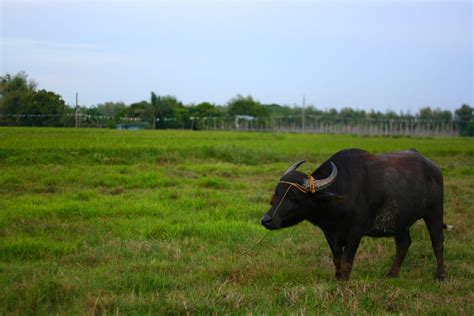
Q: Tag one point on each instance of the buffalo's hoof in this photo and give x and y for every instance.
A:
(440, 276)
(341, 276)
(392, 274)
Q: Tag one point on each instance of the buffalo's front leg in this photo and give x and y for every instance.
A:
(403, 241)
(336, 249)
(350, 249)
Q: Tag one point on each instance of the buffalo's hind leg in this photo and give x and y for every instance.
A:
(402, 241)
(435, 227)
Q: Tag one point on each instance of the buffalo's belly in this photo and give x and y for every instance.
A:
(386, 221)
(380, 234)
(391, 219)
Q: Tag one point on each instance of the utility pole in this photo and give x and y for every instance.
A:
(77, 110)
(303, 115)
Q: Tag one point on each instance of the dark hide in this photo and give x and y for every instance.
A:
(373, 195)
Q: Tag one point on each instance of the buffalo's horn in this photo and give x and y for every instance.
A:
(294, 167)
(322, 184)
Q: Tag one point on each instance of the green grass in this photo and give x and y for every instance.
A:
(152, 222)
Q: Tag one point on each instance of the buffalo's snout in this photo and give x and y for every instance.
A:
(266, 219)
(267, 222)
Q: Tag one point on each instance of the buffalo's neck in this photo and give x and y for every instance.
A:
(325, 214)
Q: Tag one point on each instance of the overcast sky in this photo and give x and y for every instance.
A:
(398, 55)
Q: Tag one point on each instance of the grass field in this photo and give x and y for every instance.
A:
(139, 222)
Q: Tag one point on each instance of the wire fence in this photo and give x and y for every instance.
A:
(312, 124)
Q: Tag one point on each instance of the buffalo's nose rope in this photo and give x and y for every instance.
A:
(281, 201)
(268, 233)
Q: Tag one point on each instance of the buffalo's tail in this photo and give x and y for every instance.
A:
(448, 227)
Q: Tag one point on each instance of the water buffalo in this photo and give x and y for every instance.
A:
(355, 194)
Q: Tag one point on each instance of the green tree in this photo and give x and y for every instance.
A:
(23, 105)
(110, 108)
(15, 95)
(428, 113)
(425, 113)
(49, 108)
(172, 113)
(202, 113)
(349, 114)
(205, 109)
(278, 110)
(94, 116)
(241, 105)
(465, 118)
(112, 111)
(374, 115)
(140, 110)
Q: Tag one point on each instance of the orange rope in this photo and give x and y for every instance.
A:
(312, 185)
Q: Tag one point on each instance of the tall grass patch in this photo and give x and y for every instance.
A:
(165, 222)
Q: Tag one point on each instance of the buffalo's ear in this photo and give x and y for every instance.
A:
(324, 195)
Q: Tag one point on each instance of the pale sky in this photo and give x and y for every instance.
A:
(397, 55)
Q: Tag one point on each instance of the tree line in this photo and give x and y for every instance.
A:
(22, 104)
